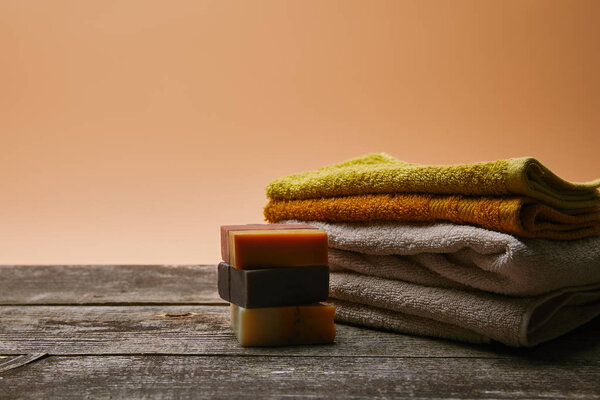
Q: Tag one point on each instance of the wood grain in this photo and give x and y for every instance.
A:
(19, 361)
(72, 330)
(162, 332)
(267, 377)
(108, 284)
(68, 330)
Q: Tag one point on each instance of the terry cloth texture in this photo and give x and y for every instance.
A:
(382, 173)
(517, 215)
(462, 315)
(437, 280)
(449, 255)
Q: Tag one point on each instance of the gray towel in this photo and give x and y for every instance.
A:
(462, 256)
(471, 316)
(437, 280)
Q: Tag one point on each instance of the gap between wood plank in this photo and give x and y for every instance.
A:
(275, 355)
(116, 304)
(29, 358)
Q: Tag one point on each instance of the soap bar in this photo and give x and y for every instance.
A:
(273, 245)
(271, 287)
(225, 229)
(279, 326)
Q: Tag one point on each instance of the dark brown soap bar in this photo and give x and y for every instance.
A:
(273, 245)
(273, 287)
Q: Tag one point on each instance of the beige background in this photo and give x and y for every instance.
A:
(130, 130)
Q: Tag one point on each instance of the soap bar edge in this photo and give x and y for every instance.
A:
(225, 229)
(239, 314)
(273, 287)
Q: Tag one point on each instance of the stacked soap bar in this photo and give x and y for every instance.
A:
(274, 276)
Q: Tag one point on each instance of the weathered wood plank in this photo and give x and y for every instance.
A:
(17, 362)
(66, 330)
(235, 377)
(151, 345)
(112, 284)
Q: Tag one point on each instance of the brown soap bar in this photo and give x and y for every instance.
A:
(272, 287)
(273, 245)
(280, 326)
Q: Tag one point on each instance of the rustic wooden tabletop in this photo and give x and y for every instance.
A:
(162, 332)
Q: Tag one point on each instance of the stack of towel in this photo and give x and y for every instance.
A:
(502, 250)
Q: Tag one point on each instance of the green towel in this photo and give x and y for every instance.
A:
(382, 173)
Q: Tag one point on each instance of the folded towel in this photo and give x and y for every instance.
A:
(457, 314)
(430, 280)
(461, 256)
(395, 321)
(382, 173)
(516, 215)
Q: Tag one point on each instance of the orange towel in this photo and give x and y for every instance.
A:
(516, 215)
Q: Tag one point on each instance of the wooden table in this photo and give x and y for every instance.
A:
(162, 332)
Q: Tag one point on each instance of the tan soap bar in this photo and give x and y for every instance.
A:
(280, 326)
(273, 245)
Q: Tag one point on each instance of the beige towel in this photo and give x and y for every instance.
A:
(462, 256)
(476, 316)
(436, 280)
